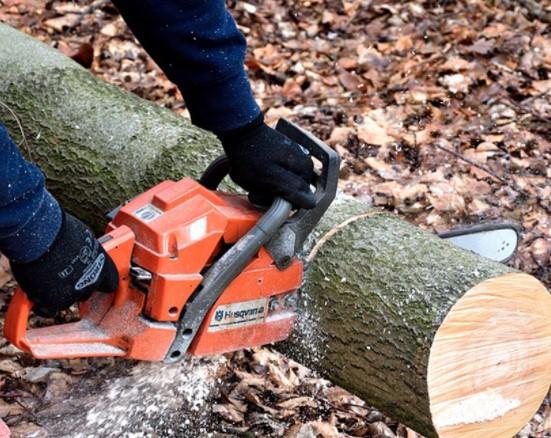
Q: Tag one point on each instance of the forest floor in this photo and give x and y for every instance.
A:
(440, 110)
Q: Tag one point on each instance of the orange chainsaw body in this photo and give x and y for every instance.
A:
(171, 234)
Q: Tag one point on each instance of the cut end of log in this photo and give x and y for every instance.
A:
(490, 363)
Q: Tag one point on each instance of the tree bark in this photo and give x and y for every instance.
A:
(440, 339)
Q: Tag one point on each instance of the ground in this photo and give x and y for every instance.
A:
(441, 111)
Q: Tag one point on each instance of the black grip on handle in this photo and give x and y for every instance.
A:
(326, 182)
(290, 238)
(216, 172)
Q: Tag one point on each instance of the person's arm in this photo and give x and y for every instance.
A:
(197, 44)
(54, 257)
(30, 218)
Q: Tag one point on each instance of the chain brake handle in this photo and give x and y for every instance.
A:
(289, 239)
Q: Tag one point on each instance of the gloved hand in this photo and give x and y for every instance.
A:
(267, 164)
(74, 267)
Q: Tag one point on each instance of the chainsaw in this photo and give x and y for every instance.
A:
(201, 271)
(204, 272)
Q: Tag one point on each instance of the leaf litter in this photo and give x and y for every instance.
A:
(440, 111)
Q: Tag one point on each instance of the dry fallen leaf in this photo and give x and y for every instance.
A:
(228, 413)
(37, 374)
(10, 366)
(10, 409)
(350, 81)
(340, 135)
(541, 251)
(372, 133)
(381, 430)
(456, 83)
(293, 403)
(60, 24)
(456, 64)
(325, 430)
(5, 273)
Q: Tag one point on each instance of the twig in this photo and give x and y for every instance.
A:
(30, 413)
(535, 9)
(532, 9)
(88, 10)
(537, 96)
(528, 110)
(23, 137)
(95, 5)
(473, 163)
(509, 183)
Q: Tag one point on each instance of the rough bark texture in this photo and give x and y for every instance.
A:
(375, 293)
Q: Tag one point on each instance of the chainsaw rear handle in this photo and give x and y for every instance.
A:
(118, 244)
(289, 239)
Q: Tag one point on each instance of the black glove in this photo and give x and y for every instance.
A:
(267, 164)
(74, 267)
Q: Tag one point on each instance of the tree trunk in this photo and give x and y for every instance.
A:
(438, 338)
(434, 336)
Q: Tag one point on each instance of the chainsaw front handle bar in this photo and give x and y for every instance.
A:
(289, 239)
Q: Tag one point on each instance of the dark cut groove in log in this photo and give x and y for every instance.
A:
(438, 338)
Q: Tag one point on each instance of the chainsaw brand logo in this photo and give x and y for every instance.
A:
(241, 314)
(92, 273)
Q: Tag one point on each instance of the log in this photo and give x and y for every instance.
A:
(440, 339)
(434, 336)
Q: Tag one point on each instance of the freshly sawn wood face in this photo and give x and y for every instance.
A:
(489, 364)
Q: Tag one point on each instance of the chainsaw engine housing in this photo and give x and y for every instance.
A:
(180, 229)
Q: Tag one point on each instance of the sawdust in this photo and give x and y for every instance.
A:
(151, 400)
(478, 408)
(307, 333)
